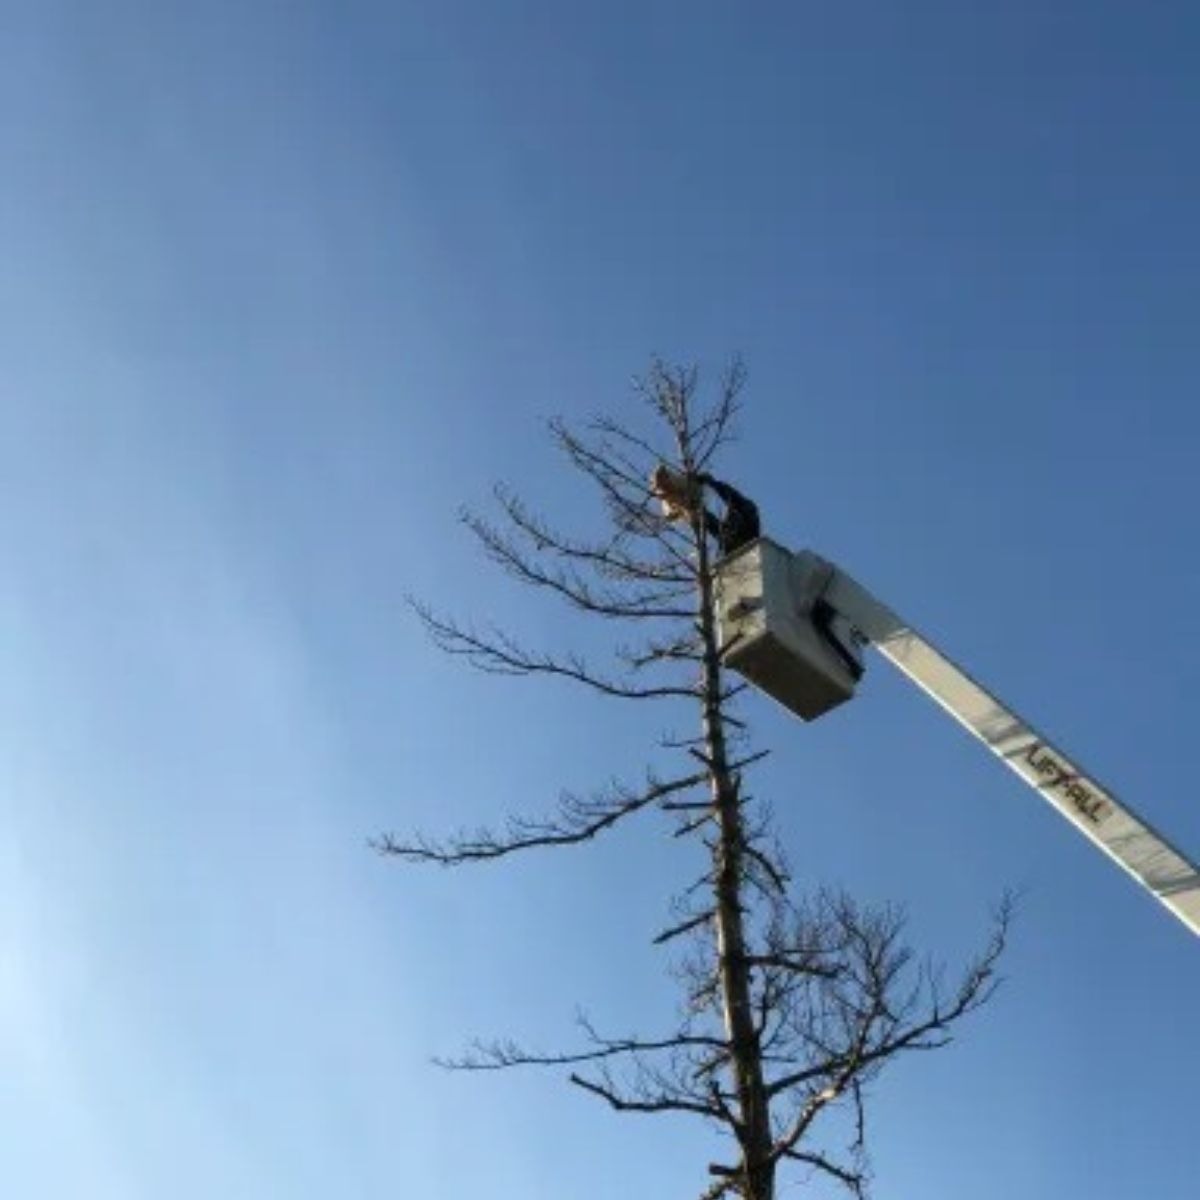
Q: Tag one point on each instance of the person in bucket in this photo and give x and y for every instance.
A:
(681, 495)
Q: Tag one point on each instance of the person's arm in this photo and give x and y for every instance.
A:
(727, 493)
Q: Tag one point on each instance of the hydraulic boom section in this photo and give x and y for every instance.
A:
(794, 625)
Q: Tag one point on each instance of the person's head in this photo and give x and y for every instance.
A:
(663, 481)
(677, 492)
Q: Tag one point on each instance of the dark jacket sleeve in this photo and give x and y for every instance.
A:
(728, 493)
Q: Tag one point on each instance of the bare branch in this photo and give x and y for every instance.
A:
(714, 431)
(632, 506)
(706, 817)
(854, 1180)
(607, 558)
(626, 604)
(577, 820)
(777, 877)
(505, 1055)
(660, 652)
(863, 990)
(618, 432)
(683, 927)
(722, 1187)
(655, 1104)
(499, 654)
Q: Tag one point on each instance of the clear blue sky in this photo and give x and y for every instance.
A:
(280, 284)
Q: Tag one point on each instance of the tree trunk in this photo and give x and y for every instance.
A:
(755, 1137)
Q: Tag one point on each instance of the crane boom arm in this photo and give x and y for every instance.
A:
(1091, 808)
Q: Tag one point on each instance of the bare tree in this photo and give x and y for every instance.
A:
(791, 1006)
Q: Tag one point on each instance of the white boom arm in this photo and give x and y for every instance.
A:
(1091, 808)
(760, 633)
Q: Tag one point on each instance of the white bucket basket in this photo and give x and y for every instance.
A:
(768, 601)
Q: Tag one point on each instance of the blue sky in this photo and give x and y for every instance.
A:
(282, 284)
